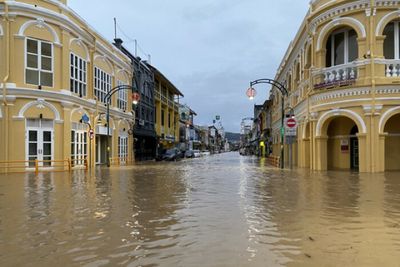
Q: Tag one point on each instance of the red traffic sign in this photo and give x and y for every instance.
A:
(291, 123)
(91, 134)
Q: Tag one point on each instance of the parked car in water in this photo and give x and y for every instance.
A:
(197, 153)
(189, 154)
(172, 154)
(205, 153)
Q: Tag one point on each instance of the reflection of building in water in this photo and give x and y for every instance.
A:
(341, 72)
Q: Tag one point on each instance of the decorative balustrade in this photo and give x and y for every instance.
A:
(340, 75)
(392, 68)
(158, 95)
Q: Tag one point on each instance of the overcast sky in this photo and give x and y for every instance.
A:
(210, 49)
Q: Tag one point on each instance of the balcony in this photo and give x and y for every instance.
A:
(392, 67)
(157, 95)
(336, 76)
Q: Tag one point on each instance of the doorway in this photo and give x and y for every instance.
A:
(39, 142)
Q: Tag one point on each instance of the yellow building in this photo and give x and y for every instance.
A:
(54, 70)
(167, 111)
(342, 72)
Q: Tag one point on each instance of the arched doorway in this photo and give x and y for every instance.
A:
(342, 144)
(392, 143)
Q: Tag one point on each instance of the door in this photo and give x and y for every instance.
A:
(354, 156)
(39, 143)
(98, 149)
(78, 147)
(123, 149)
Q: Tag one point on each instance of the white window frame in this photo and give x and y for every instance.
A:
(102, 84)
(39, 61)
(81, 80)
(346, 45)
(123, 148)
(122, 101)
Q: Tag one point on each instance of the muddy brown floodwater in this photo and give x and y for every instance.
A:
(222, 210)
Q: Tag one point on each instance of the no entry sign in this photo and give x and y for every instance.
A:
(290, 127)
(291, 123)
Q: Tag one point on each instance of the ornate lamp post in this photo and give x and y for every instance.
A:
(251, 93)
(135, 101)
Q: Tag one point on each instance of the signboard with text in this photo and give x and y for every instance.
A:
(290, 127)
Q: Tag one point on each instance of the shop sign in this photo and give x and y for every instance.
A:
(344, 145)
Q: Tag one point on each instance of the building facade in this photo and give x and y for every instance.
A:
(144, 131)
(55, 73)
(166, 111)
(342, 72)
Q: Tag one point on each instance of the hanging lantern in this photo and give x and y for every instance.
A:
(251, 93)
(135, 98)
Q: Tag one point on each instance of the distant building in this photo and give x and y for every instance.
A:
(167, 111)
(144, 131)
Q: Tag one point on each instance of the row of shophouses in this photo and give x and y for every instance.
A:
(56, 71)
(342, 72)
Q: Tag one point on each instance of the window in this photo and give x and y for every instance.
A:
(122, 101)
(102, 84)
(169, 120)
(162, 117)
(391, 46)
(341, 47)
(77, 75)
(123, 149)
(39, 63)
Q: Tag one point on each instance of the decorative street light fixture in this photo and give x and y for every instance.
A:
(135, 101)
(251, 92)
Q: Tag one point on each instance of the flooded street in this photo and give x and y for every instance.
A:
(222, 210)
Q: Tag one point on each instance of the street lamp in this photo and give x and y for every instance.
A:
(107, 98)
(251, 92)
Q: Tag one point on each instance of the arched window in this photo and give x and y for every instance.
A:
(391, 45)
(341, 47)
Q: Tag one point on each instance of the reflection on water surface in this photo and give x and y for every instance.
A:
(222, 210)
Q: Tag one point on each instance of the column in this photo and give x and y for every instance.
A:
(321, 157)
(66, 152)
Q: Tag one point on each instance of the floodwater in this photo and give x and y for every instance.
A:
(221, 210)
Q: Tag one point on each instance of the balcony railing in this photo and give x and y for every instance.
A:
(158, 95)
(392, 68)
(339, 75)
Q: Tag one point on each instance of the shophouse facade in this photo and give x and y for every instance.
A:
(342, 72)
(55, 73)
(144, 132)
(166, 111)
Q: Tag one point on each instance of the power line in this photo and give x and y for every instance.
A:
(131, 40)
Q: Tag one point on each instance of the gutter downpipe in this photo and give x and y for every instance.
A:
(5, 80)
(373, 87)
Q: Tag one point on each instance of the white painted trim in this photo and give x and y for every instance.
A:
(359, 27)
(39, 22)
(125, 74)
(80, 43)
(81, 110)
(103, 115)
(105, 60)
(21, 114)
(385, 20)
(123, 121)
(386, 116)
(64, 22)
(62, 98)
(341, 112)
